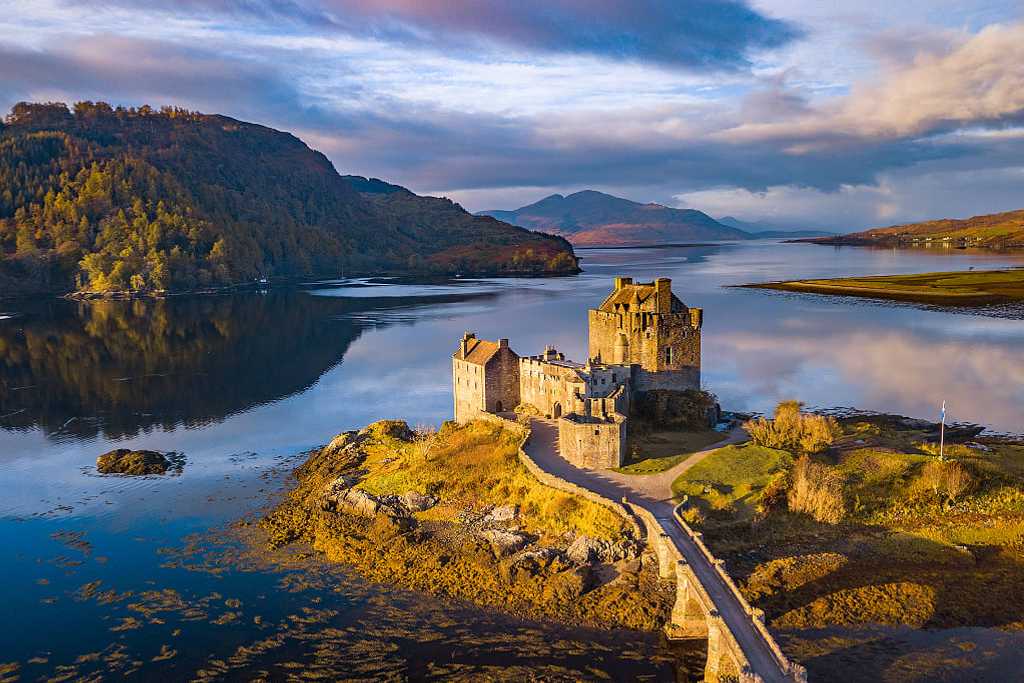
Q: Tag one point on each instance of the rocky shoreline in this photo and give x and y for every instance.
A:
(427, 536)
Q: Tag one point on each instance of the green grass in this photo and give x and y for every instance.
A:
(659, 451)
(731, 477)
(964, 287)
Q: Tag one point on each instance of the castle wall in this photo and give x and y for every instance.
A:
(547, 386)
(469, 386)
(591, 443)
(605, 380)
(604, 331)
(675, 380)
(501, 381)
(659, 334)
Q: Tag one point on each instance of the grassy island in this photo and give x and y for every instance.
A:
(967, 288)
(873, 531)
(455, 513)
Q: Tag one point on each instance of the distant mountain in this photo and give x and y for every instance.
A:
(114, 200)
(761, 229)
(594, 218)
(996, 230)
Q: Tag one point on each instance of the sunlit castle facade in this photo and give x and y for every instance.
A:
(642, 337)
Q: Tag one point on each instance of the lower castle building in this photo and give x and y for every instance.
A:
(642, 337)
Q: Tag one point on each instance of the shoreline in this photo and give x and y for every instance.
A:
(868, 293)
(894, 243)
(288, 282)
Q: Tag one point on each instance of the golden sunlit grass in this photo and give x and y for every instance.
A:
(961, 287)
(476, 467)
(470, 469)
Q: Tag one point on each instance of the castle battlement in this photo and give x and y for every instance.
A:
(642, 337)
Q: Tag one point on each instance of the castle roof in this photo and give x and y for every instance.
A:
(636, 295)
(478, 351)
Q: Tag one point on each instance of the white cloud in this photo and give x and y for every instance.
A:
(978, 79)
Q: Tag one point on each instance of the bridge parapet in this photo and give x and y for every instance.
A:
(795, 672)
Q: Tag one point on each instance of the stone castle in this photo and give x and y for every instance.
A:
(642, 337)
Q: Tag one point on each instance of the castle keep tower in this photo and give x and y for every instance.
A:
(646, 326)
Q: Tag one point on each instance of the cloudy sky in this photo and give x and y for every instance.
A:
(804, 112)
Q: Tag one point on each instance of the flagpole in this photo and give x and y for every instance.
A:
(942, 432)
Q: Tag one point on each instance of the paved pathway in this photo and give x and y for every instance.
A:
(658, 487)
(656, 496)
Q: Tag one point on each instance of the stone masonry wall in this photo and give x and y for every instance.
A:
(592, 444)
(547, 387)
(469, 384)
(656, 342)
(501, 381)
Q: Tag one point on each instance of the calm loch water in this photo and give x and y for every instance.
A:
(110, 575)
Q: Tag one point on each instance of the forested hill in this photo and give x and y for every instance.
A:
(105, 199)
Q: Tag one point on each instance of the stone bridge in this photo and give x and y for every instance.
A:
(708, 603)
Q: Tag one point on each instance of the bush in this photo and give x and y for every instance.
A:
(794, 431)
(772, 495)
(947, 479)
(817, 490)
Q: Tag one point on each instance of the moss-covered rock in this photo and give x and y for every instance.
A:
(127, 461)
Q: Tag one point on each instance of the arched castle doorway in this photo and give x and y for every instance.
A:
(556, 410)
(498, 408)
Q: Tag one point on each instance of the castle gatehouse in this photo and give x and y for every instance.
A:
(642, 337)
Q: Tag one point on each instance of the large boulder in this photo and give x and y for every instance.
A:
(504, 542)
(395, 429)
(568, 585)
(533, 561)
(502, 514)
(128, 461)
(341, 497)
(585, 550)
(417, 502)
(340, 442)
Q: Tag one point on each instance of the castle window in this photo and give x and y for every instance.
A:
(668, 355)
(597, 432)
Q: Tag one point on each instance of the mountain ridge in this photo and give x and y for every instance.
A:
(764, 230)
(591, 218)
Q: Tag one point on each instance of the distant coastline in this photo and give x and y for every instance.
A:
(959, 288)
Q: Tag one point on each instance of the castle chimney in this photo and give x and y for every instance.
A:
(696, 318)
(663, 294)
(465, 342)
(503, 343)
(621, 282)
